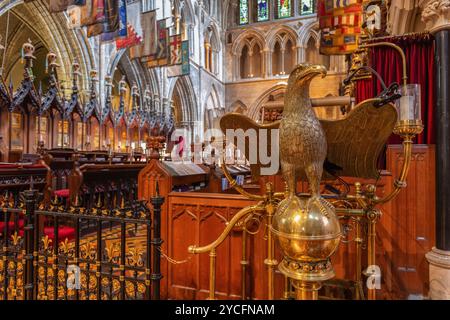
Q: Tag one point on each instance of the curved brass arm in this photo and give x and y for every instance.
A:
(400, 183)
(238, 188)
(196, 250)
(399, 50)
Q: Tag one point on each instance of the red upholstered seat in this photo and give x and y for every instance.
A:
(63, 233)
(63, 193)
(8, 166)
(33, 166)
(11, 226)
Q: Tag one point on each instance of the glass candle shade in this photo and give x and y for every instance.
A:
(409, 105)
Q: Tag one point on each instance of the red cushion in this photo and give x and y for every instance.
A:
(64, 193)
(8, 166)
(33, 166)
(63, 233)
(20, 223)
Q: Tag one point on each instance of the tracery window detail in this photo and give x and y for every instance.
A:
(307, 7)
(243, 12)
(284, 9)
(262, 10)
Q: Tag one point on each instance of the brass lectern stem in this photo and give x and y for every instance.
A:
(212, 274)
(358, 242)
(305, 290)
(371, 259)
(287, 288)
(270, 261)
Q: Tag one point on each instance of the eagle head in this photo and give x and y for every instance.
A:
(305, 72)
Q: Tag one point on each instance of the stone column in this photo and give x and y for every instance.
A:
(236, 67)
(436, 15)
(266, 56)
(250, 65)
(283, 62)
(301, 55)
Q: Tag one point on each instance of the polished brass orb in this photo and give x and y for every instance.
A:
(308, 233)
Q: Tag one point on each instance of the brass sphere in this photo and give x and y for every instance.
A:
(308, 233)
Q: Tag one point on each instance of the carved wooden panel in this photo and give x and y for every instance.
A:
(407, 228)
(198, 219)
(405, 233)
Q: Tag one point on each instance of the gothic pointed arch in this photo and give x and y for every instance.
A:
(213, 109)
(51, 30)
(273, 97)
(182, 89)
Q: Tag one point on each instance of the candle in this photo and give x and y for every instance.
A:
(133, 145)
(407, 108)
(144, 146)
(88, 139)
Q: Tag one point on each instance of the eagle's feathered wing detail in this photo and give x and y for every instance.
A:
(354, 143)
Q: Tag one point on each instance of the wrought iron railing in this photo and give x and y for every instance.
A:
(60, 252)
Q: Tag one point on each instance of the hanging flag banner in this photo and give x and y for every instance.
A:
(62, 5)
(185, 63)
(74, 14)
(98, 17)
(130, 40)
(86, 13)
(175, 49)
(148, 22)
(112, 16)
(185, 67)
(162, 51)
(134, 20)
(340, 23)
(109, 18)
(122, 28)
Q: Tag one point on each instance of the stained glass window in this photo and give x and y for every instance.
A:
(263, 10)
(243, 11)
(284, 9)
(307, 7)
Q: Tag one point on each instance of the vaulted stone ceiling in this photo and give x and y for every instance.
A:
(47, 32)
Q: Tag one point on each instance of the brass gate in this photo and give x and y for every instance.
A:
(61, 252)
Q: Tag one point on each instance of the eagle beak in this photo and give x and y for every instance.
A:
(320, 70)
(313, 72)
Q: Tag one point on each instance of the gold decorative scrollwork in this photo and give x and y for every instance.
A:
(15, 239)
(130, 289)
(66, 248)
(46, 242)
(88, 251)
(61, 276)
(135, 257)
(105, 282)
(113, 252)
(141, 288)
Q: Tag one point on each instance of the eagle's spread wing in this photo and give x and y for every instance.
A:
(354, 143)
(236, 121)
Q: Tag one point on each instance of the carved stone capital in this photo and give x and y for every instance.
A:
(436, 14)
(439, 274)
